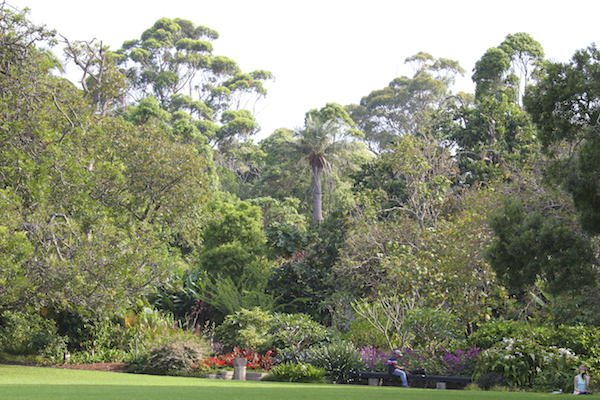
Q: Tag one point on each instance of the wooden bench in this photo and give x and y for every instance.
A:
(376, 378)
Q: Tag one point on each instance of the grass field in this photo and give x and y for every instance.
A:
(18, 383)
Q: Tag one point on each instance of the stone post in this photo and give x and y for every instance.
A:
(239, 369)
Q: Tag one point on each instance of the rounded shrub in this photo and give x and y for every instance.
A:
(174, 356)
(290, 372)
(336, 359)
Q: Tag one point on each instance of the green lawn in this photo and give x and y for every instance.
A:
(51, 383)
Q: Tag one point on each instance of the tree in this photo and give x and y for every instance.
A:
(564, 105)
(524, 52)
(318, 143)
(427, 170)
(493, 74)
(103, 84)
(95, 207)
(493, 137)
(280, 177)
(173, 62)
(406, 106)
(532, 246)
(489, 71)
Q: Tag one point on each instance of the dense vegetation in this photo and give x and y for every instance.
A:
(141, 221)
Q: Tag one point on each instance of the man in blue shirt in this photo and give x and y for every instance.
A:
(395, 369)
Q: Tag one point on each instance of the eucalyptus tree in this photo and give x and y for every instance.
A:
(406, 105)
(173, 62)
(506, 69)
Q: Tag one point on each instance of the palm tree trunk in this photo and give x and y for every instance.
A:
(317, 194)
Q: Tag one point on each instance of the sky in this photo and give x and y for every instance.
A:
(330, 50)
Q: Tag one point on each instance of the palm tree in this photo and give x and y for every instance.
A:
(318, 143)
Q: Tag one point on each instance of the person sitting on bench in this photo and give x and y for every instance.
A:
(395, 369)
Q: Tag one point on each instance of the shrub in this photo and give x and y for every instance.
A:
(459, 362)
(558, 374)
(101, 355)
(176, 350)
(490, 333)
(441, 361)
(176, 356)
(290, 372)
(337, 359)
(295, 332)
(28, 333)
(375, 360)
(247, 329)
(520, 360)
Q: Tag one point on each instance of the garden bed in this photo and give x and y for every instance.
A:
(111, 367)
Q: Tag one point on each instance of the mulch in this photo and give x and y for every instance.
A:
(112, 367)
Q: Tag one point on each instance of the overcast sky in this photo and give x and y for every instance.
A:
(332, 50)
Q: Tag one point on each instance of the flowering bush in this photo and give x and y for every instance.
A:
(374, 359)
(521, 360)
(460, 363)
(437, 362)
(255, 360)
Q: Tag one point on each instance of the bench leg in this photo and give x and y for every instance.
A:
(373, 381)
(440, 385)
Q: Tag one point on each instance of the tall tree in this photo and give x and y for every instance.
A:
(318, 143)
(565, 105)
(173, 62)
(406, 105)
(93, 206)
(506, 69)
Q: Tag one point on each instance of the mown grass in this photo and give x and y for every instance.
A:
(18, 383)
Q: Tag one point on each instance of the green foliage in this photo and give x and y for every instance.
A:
(493, 73)
(489, 71)
(431, 328)
(262, 330)
(227, 297)
(405, 107)
(362, 334)
(174, 54)
(564, 106)
(532, 246)
(336, 358)
(235, 258)
(23, 333)
(174, 356)
(102, 355)
(521, 359)
(290, 372)
(320, 144)
(247, 329)
(495, 136)
(233, 239)
(295, 332)
(101, 201)
(180, 293)
(557, 375)
(488, 334)
(304, 283)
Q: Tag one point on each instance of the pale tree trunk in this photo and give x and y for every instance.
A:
(317, 194)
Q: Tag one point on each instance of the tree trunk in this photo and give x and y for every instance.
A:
(317, 194)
